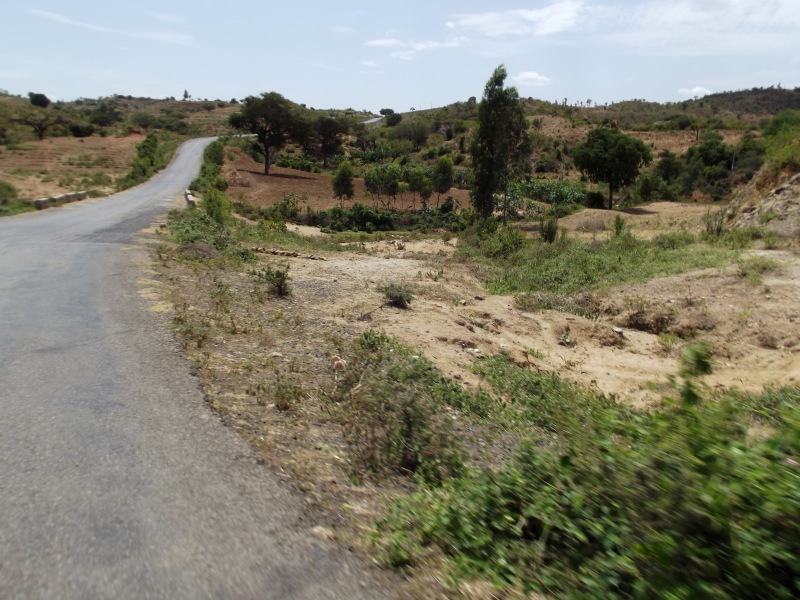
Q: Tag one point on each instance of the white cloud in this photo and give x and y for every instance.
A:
(409, 50)
(384, 43)
(413, 48)
(372, 64)
(555, 18)
(705, 27)
(341, 30)
(529, 78)
(695, 91)
(158, 36)
(163, 16)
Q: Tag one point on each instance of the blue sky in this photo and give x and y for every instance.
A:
(401, 54)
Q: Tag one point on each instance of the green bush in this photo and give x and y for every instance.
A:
(275, 278)
(551, 192)
(571, 265)
(217, 206)
(548, 230)
(152, 155)
(611, 503)
(397, 294)
(391, 403)
(210, 177)
(8, 193)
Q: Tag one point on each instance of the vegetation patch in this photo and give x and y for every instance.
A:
(569, 266)
(613, 503)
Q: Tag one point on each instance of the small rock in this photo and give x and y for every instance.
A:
(323, 533)
(276, 355)
(479, 298)
(463, 302)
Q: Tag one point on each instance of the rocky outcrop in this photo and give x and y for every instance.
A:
(778, 211)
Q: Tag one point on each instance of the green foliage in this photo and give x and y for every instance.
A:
(619, 225)
(8, 193)
(492, 241)
(392, 404)
(548, 230)
(10, 204)
(442, 176)
(152, 155)
(195, 226)
(106, 114)
(276, 279)
(328, 132)
(81, 130)
(273, 119)
(782, 141)
(217, 206)
(39, 100)
(570, 265)
(551, 192)
(382, 180)
(669, 166)
(397, 294)
(714, 223)
(501, 145)
(416, 131)
(210, 178)
(610, 503)
(299, 162)
(754, 268)
(786, 120)
(342, 182)
(393, 119)
(420, 183)
(611, 157)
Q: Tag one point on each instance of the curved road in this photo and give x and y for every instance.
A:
(116, 481)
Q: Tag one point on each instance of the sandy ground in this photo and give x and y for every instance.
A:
(752, 328)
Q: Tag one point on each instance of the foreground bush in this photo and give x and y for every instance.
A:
(393, 408)
(676, 504)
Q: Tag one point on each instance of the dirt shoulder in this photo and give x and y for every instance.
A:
(266, 362)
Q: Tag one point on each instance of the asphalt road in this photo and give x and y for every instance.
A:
(116, 480)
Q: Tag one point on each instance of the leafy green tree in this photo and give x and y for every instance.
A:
(415, 131)
(393, 119)
(386, 112)
(610, 156)
(501, 145)
(342, 182)
(329, 132)
(419, 183)
(40, 120)
(382, 180)
(669, 166)
(442, 178)
(39, 100)
(105, 115)
(273, 119)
